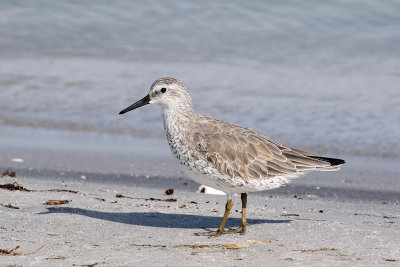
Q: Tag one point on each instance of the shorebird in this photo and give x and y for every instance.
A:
(227, 157)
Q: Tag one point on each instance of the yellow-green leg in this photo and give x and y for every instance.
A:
(241, 229)
(243, 224)
(221, 228)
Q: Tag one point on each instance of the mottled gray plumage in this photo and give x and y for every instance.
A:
(227, 157)
(224, 156)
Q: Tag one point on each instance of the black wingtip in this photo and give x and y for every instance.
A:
(332, 161)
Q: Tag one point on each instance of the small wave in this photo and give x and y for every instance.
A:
(322, 149)
(79, 127)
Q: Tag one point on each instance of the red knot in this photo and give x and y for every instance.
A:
(224, 156)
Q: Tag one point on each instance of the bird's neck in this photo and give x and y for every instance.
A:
(177, 121)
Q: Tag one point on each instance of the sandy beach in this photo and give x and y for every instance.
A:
(81, 185)
(121, 216)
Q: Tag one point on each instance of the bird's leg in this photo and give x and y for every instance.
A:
(221, 228)
(243, 224)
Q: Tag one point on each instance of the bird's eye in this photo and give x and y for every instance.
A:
(163, 90)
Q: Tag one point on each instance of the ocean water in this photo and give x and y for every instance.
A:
(317, 75)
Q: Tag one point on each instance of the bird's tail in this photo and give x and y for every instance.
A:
(305, 161)
(332, 161)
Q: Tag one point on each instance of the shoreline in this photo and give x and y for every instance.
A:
(147, 162)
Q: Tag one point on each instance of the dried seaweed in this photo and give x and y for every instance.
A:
(289, 214)
(9, 173)
(87, 265)
(14, 187)
(17, 187)
(59, 190)
(9, 206)
(227, 246)
(158, 199)
(122, 196)
(148, 199)
(195, 246)
(13, 252)
(149, 245)
(57, 202)
(316, 250)
(10, 251)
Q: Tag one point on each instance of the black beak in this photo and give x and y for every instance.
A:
(144, 101)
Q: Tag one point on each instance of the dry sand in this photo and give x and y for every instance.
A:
(100, 229)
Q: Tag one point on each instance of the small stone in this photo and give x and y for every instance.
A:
(169, 192)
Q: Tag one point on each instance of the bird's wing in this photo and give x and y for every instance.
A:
(238, 151)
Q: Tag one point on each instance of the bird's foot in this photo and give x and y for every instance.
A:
(241, 229)
(212, 233)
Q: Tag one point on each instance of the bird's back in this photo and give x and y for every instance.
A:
(239, 155)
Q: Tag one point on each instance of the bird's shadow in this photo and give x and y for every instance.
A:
(157, 219)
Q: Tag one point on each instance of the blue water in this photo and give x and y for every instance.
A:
(318, 75)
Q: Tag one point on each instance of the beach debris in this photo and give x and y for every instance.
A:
(195, 246)
(148, 199)
(14, 187)
(149, 245)
(182, 206)
(193, 202)
(100, 199)
(86, 265)
(289, 214)
(10, 251)
(59, 190)
(56, 258)
(57, 202)
(13, 252)
(227, 246)
(18, 160)
(316, 250)
(8, 174)
(376, 215)
(209, 190)
(122, 196)
(9, 206)
(389, 217)
(169, 192)
(158, 199)
(321, 211)
(83, 177)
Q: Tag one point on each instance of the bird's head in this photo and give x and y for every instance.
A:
(167, 93)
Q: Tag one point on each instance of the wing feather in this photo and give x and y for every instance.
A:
(238, 151)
